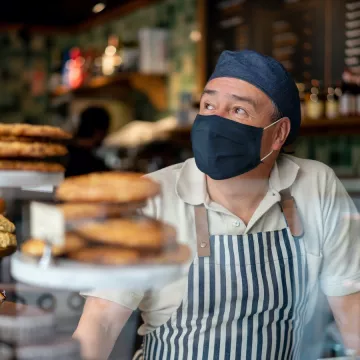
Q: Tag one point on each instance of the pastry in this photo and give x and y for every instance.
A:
(110, 187)
(106, 255)
(2, 296)
(7, 240)
(31, 166)
(6, 225)
(27, 130)
(35, 247)
(136, 233)
(31, 150)
(79, 211)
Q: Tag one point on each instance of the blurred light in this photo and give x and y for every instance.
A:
(110, 50)
(195, 36)
(99, 7)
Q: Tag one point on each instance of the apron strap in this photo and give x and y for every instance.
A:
(291, 213)
(202, 231)
(288, 208)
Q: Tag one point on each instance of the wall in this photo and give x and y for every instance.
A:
(180, 16)
(26, 60)
(24, 65)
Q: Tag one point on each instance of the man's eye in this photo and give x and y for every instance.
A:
(209, 107)
(239, 111)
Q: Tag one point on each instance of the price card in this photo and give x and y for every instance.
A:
(47, 223)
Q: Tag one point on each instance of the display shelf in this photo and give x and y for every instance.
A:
(30, 180)
(154, 86)
(70, 275)
(339, 126)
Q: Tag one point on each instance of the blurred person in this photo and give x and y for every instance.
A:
(93, 127)
(267, 231)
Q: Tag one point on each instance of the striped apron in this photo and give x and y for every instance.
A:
(246, 299)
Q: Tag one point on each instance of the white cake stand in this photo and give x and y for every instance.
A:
(70, 275)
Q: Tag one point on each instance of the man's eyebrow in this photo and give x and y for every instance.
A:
(245, 99)
(209, 92)
(249, 100)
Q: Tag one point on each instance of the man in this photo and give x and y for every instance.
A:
(93, 128)
(265, 229)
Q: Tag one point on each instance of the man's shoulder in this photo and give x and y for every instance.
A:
(166, 175)
(311, 169)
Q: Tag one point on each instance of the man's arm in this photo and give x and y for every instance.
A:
(99, 327)
(346, 310)
(340, 274)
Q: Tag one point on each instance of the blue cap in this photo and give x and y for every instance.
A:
(268, 75)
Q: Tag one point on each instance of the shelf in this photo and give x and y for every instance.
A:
(341, 126)
(154, 86)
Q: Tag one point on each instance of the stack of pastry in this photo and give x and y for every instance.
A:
(32, 147)
(103, 212)
(7, 237)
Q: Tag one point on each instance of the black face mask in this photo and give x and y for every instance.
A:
(224, 148)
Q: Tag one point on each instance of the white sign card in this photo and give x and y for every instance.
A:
(47, 223)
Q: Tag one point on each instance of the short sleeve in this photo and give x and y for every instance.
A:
(126, 297)
(341, 247)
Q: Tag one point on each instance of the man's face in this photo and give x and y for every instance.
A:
(242, 102)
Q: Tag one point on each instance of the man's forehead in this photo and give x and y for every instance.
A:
(236, 88)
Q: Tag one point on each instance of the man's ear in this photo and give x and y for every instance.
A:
(281, 133)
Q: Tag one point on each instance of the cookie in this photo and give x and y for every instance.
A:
(31, 150)
(79, 211)
(136, 233)
(106, 255)
(7, 240)
(35, 247)
(27, 130)
(20, 139)
(39, 166)
(6, 225)
(113, 187)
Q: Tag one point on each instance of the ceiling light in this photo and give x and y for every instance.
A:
(99, 7)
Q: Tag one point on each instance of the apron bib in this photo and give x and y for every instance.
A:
(246, 298)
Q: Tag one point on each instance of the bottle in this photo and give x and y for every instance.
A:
(301, 88)
(315, 103)
(332, 103)
(111, 59)
(347, 104)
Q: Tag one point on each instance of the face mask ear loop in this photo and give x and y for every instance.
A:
(272, 124)
(265, 157)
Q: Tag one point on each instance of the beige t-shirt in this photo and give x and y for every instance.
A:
(331, 237)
